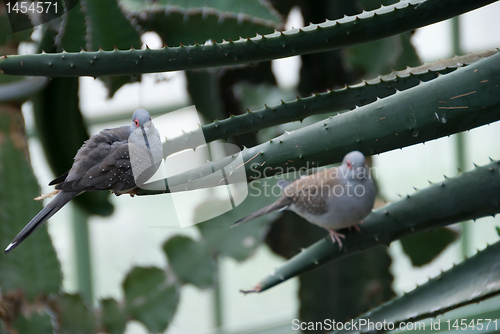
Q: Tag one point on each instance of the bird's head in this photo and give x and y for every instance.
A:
(354, 161)
(140, 118)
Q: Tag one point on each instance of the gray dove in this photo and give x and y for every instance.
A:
(119, 159)
(332, 198)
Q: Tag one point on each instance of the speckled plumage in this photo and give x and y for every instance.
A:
(332, 198)
(102, 163)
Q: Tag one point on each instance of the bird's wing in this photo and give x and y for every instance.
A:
(311, 193)
(59, 179)
(113, 172)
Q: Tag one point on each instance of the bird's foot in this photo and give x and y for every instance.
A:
(47, 195)
(356, 227)
(336, 237)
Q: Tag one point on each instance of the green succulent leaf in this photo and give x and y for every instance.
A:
(366, 27)
(149, 298)
(340, 100)
(188, 22)
(190, 260)
(113, 319)
(248, 9)
(33, 267)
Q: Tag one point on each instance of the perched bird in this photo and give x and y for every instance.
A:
(332, 198)
(119, 159)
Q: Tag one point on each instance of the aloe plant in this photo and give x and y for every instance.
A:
(403, 108)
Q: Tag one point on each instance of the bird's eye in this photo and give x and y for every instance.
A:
(136, 122)
(349, 164)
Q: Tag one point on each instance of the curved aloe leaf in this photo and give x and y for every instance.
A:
(365, 27)
(472, 195)
(458, 101)
(471, 281)
(189, 22)
(258, 11)
(340, 100)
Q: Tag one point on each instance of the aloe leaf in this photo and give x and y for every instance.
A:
(113, 319)
(368, 26)
(458, 101)
(435, 242)
(471, 281)
(72, 315)
(32, 268)
(181, 22)
(150, 299)
(190, 260)
(340, 100)
(471, 195)
(260, 11)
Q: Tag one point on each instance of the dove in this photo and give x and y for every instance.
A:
(118, 159)
(333, 198)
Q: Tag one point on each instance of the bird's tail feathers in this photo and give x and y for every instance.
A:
(55, 205)
(276, 206)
